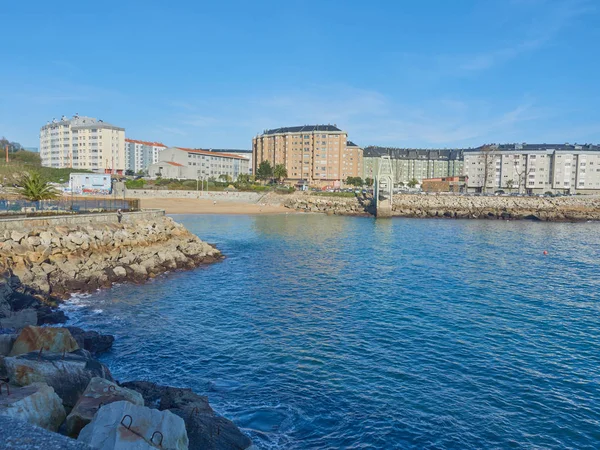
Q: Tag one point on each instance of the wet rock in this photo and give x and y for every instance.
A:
(19, 319)
(92, 341)
(6, 343)
(206, 429)
(111, 430)
(68, 375)
(36, 403)
(47, 315)
(34, 338)
(98, 393)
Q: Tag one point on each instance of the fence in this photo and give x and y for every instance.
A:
(67, 206)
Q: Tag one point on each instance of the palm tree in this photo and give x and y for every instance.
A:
(34, 188)
(280, 172)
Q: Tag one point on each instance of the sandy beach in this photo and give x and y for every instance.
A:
(203, 206)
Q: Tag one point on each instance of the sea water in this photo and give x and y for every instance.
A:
(325, 332)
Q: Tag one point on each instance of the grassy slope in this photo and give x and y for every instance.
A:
(24, 161)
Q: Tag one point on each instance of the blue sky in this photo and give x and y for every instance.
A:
(437, 73)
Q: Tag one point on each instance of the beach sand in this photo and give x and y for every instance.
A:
(203, 206)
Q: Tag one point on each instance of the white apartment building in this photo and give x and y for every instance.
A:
(139, 155)
(534, 168)
(192, 164)
(83, 143)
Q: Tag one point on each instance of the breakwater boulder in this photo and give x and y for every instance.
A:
(122, 425)
(60, 260)
(206, 430)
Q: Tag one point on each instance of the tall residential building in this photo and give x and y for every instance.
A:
(414, 163)
(83, 143)
(318, 155)
(193, 164)
(534, 168)
(140, 154)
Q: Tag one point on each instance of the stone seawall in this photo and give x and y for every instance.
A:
(57, 260)
(577, 208)
(223, 196)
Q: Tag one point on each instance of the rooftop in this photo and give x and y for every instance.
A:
(174, 163)
(209, 153)
(78, 121)
(413, 153)
(350, 144)
(303, 129)
(153, 144)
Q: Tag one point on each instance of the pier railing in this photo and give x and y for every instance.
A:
(67, 206)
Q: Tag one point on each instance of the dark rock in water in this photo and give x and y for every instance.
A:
(92, 341)
(19, 301)
(48, 315)
(206, 430)
(69, 375)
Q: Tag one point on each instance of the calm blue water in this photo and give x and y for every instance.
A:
(338, 332)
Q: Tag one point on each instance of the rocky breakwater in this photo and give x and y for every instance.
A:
(60, 260)
(346, 206)
(576, 208)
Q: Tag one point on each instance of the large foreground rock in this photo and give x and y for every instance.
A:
(98, 393)
(111, 429)
(206, 430)
(37, 404)
(33, 339)
(20, 435)
(69, 376)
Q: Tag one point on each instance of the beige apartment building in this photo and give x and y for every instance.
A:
(83, 143)
(534, 168)
(317, 155)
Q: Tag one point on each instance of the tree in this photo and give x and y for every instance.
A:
(243, 178)
(354, 181)
(509, 185)
(412, 183)
(34, 188)
(264, 171)
(369, 181)
(488, 154)
(401, 184)
(225, 177)
(280, 172)
(129, 172)
(12, 146)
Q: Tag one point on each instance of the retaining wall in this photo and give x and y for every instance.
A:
(77, 219)
(247, 197)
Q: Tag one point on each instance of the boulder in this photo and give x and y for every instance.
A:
(37, 404)
(49, 315)
(206, 430)
(19, 319)
(68, 374)
(6, 343)
(98, 393)
(17, 434)
(92, 341)
(125, 426)
(120, 272)
(48, 339)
